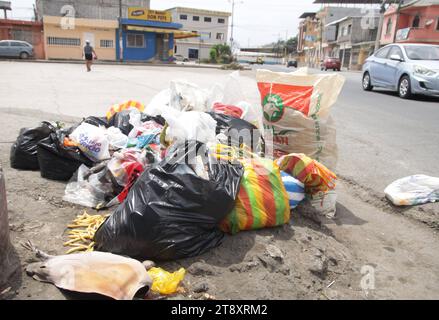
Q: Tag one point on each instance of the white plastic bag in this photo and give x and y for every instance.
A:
(191, 125)
(116, 139)
(230, 92)
(411, 190)
(92, 141)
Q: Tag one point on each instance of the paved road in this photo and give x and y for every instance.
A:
(382, 137)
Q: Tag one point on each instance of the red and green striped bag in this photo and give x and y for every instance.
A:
(262, 199)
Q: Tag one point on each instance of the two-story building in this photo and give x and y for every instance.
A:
(411, 21)
(211, 26)
(355, 39)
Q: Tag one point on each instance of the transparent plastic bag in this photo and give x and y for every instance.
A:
(412, 190)
(89, 189)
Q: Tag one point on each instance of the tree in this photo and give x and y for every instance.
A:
(220, 53)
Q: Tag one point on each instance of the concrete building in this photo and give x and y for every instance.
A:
(29, 31)
(307, 40)
(66, 41)
(88, 9)
(212, 27)
(413, 21)
(355, 40)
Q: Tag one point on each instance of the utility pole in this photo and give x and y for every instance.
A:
(120, 33)
(380, 25)
(232, 24)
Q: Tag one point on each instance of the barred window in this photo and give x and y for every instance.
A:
(55, 41)
(107, 43)
(135, 41)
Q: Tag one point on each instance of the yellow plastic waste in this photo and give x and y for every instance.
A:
(164, 282)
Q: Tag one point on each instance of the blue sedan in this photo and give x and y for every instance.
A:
(406, 68)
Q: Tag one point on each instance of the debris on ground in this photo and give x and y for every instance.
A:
(413, 190)
(183, 172)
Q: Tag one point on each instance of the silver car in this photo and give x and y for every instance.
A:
(16, 49)
(406, 68)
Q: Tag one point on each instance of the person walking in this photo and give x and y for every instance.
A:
(89, 54)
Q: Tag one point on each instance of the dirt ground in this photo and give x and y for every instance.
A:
(311, 258)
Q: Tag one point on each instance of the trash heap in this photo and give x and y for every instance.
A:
(193, 164)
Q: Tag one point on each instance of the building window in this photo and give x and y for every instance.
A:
(175, 49)
(389, 26)
(221, 20)
(220, 36)
(70, 42)
(135, 41)
(196, 18)
(416, 21)
(207, 19)
(183, 16)
(107, 44)
(437, 24)
(349, 29)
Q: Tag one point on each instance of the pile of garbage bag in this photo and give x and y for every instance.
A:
(194, 163)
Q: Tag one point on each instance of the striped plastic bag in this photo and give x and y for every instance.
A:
(115, 108)
(262, 199)
(314, 175)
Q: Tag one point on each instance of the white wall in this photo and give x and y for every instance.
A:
(209, 30)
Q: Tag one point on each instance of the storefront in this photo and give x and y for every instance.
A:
(149, 35)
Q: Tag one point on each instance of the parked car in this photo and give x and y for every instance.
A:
(406, 68)
(16, 49)
(179, 57)
(292, 63)
(331, 63)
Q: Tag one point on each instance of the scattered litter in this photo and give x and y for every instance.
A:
(91, 272)
(413, 190)
(164, 282)
(82, 232)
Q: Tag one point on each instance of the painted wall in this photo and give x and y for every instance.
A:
(139, 54)
(84, 29)
(425, 33)
(31, 32)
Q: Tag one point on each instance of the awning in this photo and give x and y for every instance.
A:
(178, 34)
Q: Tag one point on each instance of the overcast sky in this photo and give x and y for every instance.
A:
(257, 22)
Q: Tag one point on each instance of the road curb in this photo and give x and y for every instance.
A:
(118, 63)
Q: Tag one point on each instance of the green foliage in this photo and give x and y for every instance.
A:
(221, 53)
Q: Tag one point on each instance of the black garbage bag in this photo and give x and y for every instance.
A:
(24, 150)
(97, 121)
(237, 130)
(121, 120)
(59, 162)
(171, 212)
